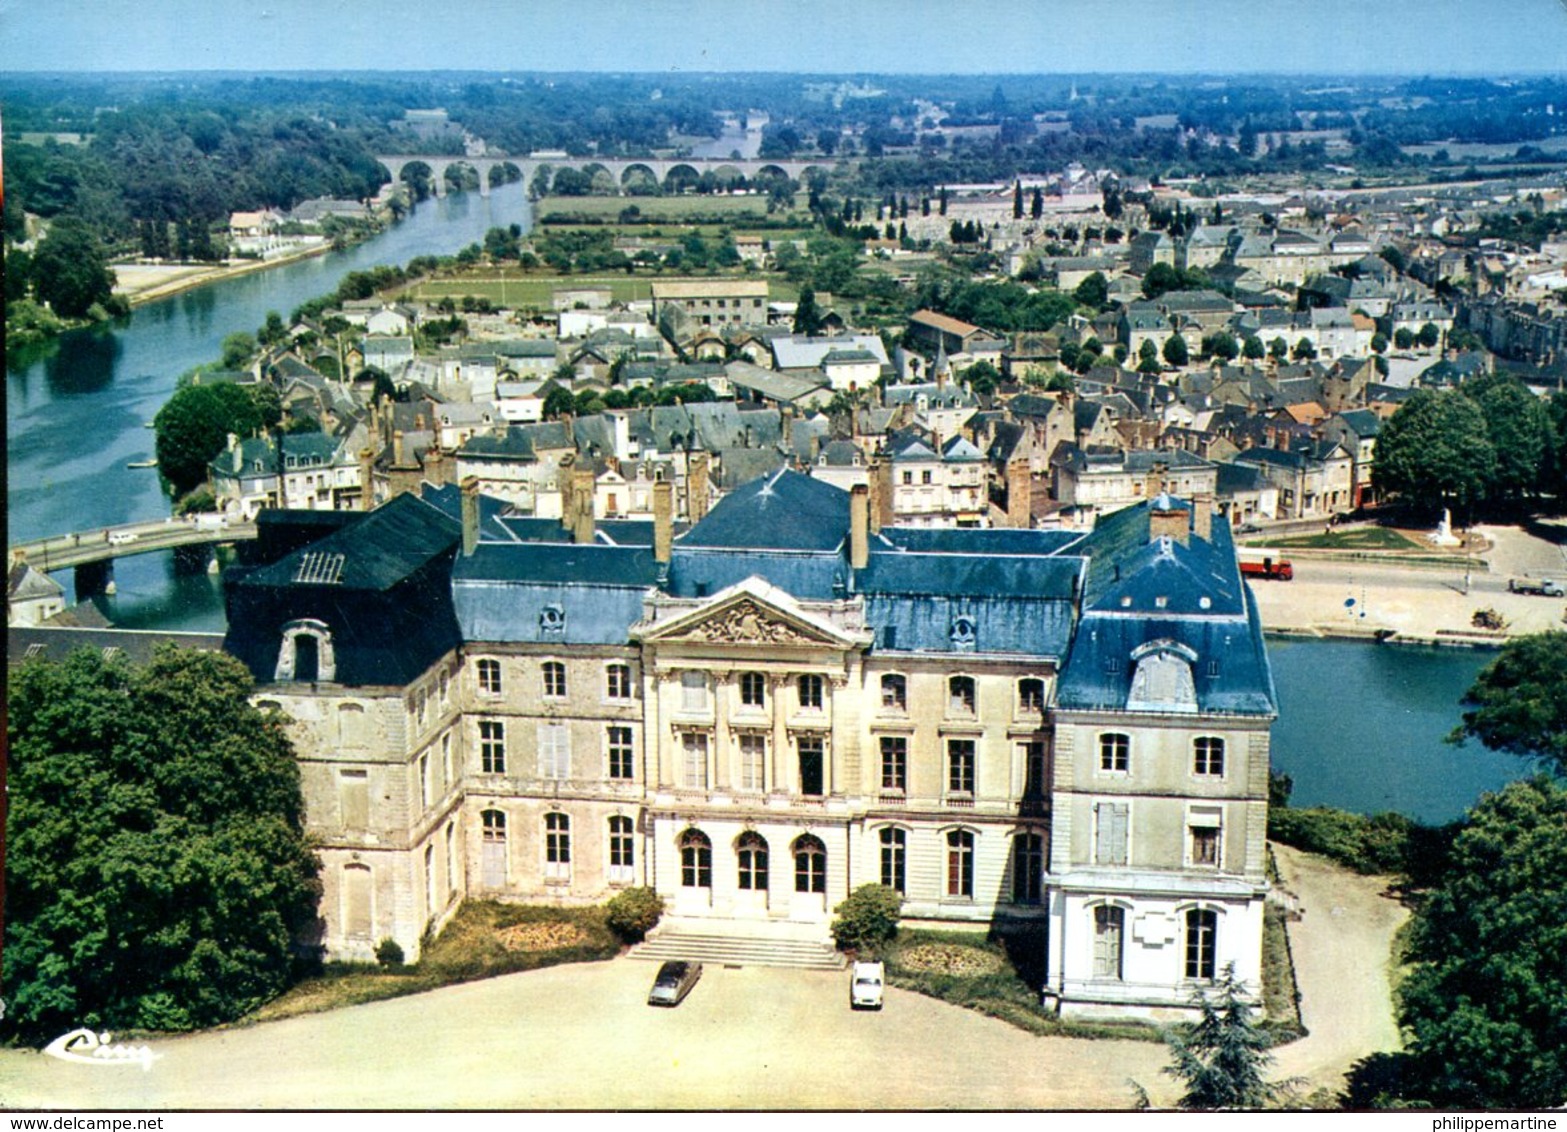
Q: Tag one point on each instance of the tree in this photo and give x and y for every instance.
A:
(1305, 350)
(238, 348)
(1221, 1057)
(1518, 702)
(807, 316)
(194, 426)
(1221, 345)
(1379, 342)
(1434, 452)
(1093, 292)
(1403, 338)
(1176, 352)
(867, 918)
(982, 377)
(1519, 428)
(1253, 349)
(1278, 349)
(634, 912)
(1148, 357)
(1036, 206)
(1485, 1004)
(157, 869)
(1428, 335)
(69, 270)
(1017, 200)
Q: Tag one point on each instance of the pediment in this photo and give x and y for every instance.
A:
(744, 616)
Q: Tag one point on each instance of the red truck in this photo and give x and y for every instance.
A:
(1268, 568)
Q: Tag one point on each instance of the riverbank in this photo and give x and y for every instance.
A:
(141, 284)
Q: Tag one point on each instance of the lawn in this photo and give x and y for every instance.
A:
(1361, 538)
(674, 208)
(482, 940)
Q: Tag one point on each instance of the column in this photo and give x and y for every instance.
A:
(718, 770)
(782, 758)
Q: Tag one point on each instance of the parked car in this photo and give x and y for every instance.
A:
(1545, 587)
(865, 986)
(674, 981)
(120, 538)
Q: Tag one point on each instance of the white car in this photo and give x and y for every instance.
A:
(865, 986)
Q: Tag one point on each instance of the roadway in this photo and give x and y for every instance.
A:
(102, 544)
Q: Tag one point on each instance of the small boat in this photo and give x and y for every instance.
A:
(142, 464)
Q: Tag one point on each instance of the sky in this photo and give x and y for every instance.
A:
(1411, 37)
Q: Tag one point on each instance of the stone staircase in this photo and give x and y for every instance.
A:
(738, 950)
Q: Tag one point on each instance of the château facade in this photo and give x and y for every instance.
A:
(1041, 731)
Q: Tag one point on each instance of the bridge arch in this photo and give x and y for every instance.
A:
(504, 173)
(639, 179)
(682, 177)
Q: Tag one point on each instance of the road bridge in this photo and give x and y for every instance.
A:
(91, 553)
(622, 169)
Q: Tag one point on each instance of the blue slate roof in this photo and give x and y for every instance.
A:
(978, 540)
(784, 511)
(536, 592)
(1129, 573)
(376, 553)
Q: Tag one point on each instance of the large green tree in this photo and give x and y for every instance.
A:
(1518, 702)
(194, 426)
(1519, 427)
(1485, 1004)
(157, 870)
(70, 271)
(1435, 452)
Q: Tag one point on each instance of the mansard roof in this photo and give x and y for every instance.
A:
(784, 511)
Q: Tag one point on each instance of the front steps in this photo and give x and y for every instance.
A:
(703, 945)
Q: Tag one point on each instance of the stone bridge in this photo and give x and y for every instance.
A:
(620, 168)
(92, 553)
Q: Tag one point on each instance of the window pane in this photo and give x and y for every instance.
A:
(894, 762)
(894, 848)
(960, 766)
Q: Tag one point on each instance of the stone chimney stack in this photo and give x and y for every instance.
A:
(366, 479)
(1020, 492)
(881, 493)
(470, 515)
(663, 521)
(1168, 518)
(582, 494)
(1202, 517)
(859, 526)
(397, 449)
(698, 484)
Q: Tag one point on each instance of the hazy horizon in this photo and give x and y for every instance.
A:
(1255, 38)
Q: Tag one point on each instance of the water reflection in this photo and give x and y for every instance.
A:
(84, 362)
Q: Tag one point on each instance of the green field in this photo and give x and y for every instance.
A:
(515, 288)
(1366, 538)
(673, 208)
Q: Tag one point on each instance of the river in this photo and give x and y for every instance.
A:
(76, 407)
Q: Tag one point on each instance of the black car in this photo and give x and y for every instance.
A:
(675, 980)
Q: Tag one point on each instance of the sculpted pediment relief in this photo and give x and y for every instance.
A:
(747, 623)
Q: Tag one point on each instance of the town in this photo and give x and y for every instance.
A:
(750, 541)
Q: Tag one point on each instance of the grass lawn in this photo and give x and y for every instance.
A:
(482, 940)
(659, 208)
(514, 287)
(1364, 538)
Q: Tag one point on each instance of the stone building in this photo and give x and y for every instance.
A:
(1063, 736)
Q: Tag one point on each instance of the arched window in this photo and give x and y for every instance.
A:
(489, 671)
(751, 852)
(894, 692)
(810, 692)
(810, 864)
(557, 847)
(1202, 943)
(1109, 931)
(492, 864)
(554, 679)
(753, 689)
(960, 695)
(306, 653)
(622, 850)
(357, 887)
(1031, 695)
(696, 860)
(960, 864)
(894, 858)
(1028, 868)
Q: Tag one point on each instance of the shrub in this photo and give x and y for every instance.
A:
(868, 918)
(633, 913)
(1376, 844)
(389, 953)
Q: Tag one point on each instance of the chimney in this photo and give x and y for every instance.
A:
(881, 492)
(470, 515)
(1167, 518)
(366, 479)
(663, 521)
(698, 484)
(816, 448)
(859, 526)
(397, 449)
(786, 422)
(1202, 517)
(582, 494)
(435, 465)
(1020, 492)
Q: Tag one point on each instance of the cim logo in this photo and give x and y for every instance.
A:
(84, 1047)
